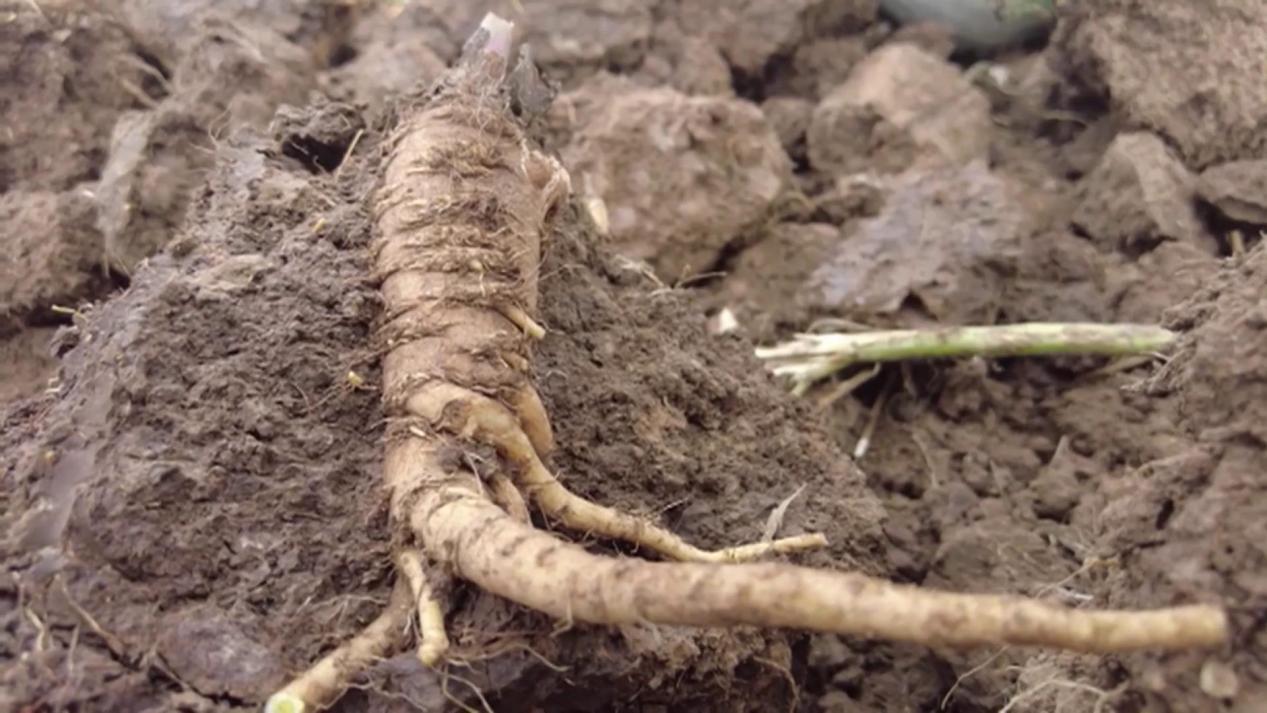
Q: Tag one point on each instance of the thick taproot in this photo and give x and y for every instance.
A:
(512, 559)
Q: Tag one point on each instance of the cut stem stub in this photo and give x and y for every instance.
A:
(809, 358)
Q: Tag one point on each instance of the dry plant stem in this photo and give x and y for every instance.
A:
(321, 684)
(810, 357)
(540, 571)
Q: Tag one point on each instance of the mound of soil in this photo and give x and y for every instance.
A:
(166, 486)
(191, 428)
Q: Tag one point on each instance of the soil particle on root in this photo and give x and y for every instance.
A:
(899, 107)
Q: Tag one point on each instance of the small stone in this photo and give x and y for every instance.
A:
(766, 280)
(1190, 71)
(715, 161)
(213, 653)
(790, 117)
(725, 322)
(752, 32)
(820, 66)
(1218, 680)
(1056, 492)
(856, 196)
(53, 253)
(1237, 189)
(828, 651)
(685, 62)
(1139, 195)
(942, 243)
(840, 702)
(900, 106)
(597, 209)
(932, 37)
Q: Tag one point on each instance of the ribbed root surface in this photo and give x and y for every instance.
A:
(504, 555)
(460, 410)
(539, 571)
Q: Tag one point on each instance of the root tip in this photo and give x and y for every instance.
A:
(431, 652)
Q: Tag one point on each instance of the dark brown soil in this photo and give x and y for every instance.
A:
(192, 435)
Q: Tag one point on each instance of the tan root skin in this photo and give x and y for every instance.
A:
(540, 571)
(464, 204)
(324, 682)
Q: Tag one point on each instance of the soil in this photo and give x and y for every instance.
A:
(192, 433)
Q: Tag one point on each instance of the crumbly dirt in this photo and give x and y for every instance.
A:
(1204, 95)
(189, 418)
(717, 159)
